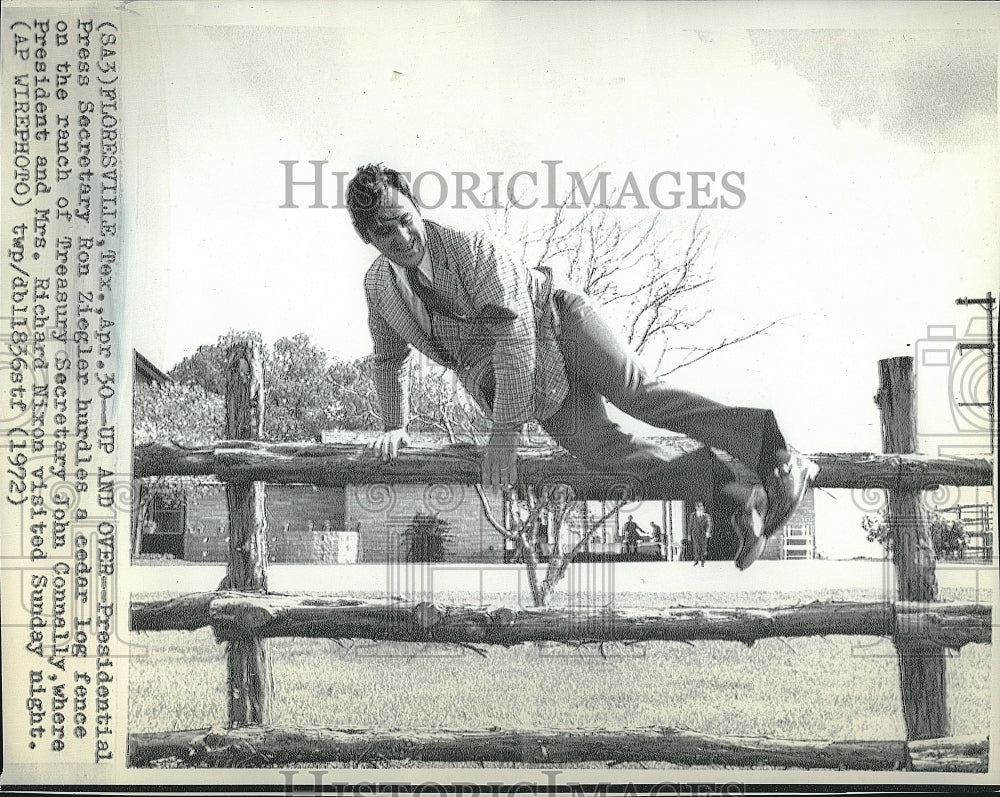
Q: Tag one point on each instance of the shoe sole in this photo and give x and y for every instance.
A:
(747, 557)
(751, 540)
(810, 470)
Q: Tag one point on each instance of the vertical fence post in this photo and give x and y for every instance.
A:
(248, 657)
(921, 666)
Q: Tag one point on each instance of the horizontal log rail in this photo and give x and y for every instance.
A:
(337, 465)
(266, 746)
(232, 615)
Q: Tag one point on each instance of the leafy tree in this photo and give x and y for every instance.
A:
(207, 366)
(305, 389)
(299, 390)
(184, 414)
(948, 537)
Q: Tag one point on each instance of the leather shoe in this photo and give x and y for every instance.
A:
(786, 484)
(748, 522)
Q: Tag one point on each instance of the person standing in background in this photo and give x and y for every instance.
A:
(700, 529)
(631, 532)
(658, 538)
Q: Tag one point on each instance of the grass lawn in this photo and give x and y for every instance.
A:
(803, 688)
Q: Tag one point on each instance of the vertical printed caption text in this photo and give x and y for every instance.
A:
(61, 242)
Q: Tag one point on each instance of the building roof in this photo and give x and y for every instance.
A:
(148, 372)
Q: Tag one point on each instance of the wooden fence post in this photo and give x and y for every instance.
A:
(248, 657)
(921, 666)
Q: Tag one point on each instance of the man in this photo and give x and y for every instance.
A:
(631, 533)
(657, 536)
(527, 348)
(700, 530)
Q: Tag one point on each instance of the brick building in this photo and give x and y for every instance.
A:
(307, 524)
(797, 539)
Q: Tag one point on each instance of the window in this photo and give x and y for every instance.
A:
(165, 534)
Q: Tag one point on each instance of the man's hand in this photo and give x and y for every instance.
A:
(388, 444)
(500, 462)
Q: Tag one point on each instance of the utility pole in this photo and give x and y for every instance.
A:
(987, 304)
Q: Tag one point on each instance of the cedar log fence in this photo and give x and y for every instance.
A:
(245, 615)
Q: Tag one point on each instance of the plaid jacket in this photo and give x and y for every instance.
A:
(509, 341)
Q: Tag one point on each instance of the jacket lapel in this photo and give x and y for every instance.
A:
(397, 312)
(448, 282)
(445, 277)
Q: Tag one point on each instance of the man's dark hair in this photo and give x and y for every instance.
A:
(368, 190)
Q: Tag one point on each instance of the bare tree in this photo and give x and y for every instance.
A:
(636, 265)
(554, 506)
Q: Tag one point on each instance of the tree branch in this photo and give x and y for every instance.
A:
(724, 344)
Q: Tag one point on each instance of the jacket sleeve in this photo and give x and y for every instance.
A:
(390, 356)
(500, 295)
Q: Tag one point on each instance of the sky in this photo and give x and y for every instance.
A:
(868, 149)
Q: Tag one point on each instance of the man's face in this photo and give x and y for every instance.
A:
(398, 232)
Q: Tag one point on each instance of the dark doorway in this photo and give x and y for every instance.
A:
(164, 535)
